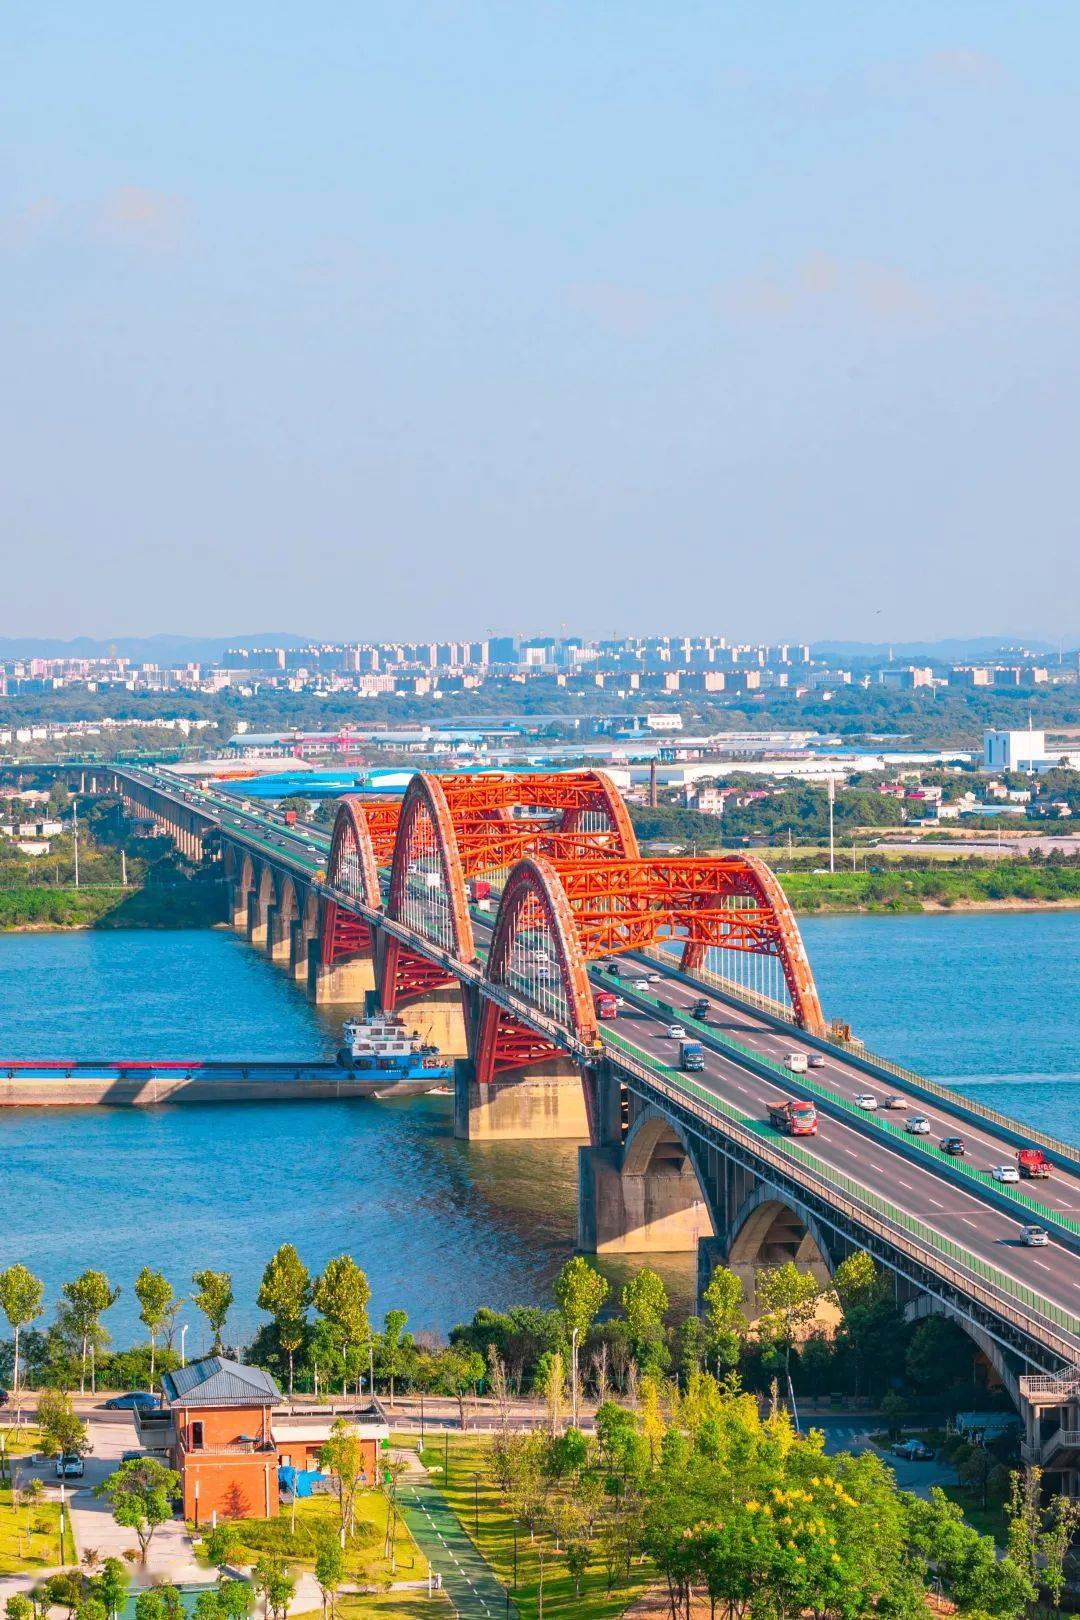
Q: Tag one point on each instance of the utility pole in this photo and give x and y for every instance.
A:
(832, 840)
(75, 834)
(123, 868)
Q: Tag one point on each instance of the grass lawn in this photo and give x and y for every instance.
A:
(989, 1521)
(399, 1605)
(24, 1550)
(491, 1528)
(319, 1514)
(19, 1441)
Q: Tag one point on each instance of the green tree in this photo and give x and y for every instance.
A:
(219, 1543)
(274, 1584)
(645, 1302)
(456, 1372)
(62, 1429)
(787, 1301)
(394, 1347)
(208, 1605)
(344, 1455)
(112, 1585)
(157, 1305)
(329, 1573)
(341, 1295)
(21, 1296)
(939, 1356)
(140, 1493)
(580, 1291)
(214, 1297)
(285, 1294)
(235, 1598)
(725, 1324)
(19, 1607)
(857, 1280)
(85, 1302)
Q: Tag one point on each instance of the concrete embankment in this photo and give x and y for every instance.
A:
(146, 1086)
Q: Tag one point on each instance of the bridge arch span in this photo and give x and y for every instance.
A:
(352, 866)
(600, 797)
(768, 1231)
(924, 1305)
(427, 885)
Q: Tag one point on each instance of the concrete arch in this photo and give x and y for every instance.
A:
(657, 1145)
(767, 1231)
(265, 893)
(925, 1305)
(352, 866)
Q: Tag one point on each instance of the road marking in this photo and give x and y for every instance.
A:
(935, 1202)
(906, 1184)
(969, 1223)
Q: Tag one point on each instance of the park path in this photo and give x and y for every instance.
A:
(468, 1580)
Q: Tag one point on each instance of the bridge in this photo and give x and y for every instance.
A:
(389, 906)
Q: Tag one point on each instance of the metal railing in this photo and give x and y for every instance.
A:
(870, 1209)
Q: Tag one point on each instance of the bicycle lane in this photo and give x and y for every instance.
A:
(467, 1578)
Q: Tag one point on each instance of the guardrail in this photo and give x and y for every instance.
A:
(867, 1119)
(857, 1202)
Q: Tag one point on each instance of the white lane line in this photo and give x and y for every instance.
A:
(906, 1185)
(936, 1203)
(969, 1223)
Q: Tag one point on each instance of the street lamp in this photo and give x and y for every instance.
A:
(183, 1352)
(476, 1503)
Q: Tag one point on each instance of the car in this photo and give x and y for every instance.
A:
(132, 1456)
(70, 1466)
(913, 1451)
(953, 1146)
(816, 1061)
(917, 1125)
(867, 1100)
(700, 1009)
(676, 1032)
(1005, 1172)
(137, 1400)
(1034, 1237)
(893, 1101)
(4, 1398)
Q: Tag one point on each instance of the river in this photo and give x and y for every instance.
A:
(989, 1001)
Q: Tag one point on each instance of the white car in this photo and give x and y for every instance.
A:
(1034, 1237)
(1005, 1172)
(867, 1100)
(917, 1125)
(816, 1061)
(676, 1032)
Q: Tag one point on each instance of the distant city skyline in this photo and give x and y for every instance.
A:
(426, 319)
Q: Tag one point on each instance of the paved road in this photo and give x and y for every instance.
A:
(467, 1579)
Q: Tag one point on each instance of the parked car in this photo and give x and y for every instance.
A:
(1005, 1172)
(1034, 1237)
(893, 1101)
(867, 1100)
(953, 1146)
(70, 1466)
(816, 1061)
(676, 1032)
(913, 1451)
(917, 1125)
(137, 1400)
(132, 1456)
(4, 1398)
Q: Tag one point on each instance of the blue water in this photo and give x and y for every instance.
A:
(989, 1002)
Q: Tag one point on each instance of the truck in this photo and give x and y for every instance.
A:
(796, 1062)
(691, 1055)
(479, 889)
(607, 1005)
(793, 1116)
(1033, 1164)
(290, 818)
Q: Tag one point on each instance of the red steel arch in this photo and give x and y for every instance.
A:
(425, 831)
(532, 896)
(353, 866)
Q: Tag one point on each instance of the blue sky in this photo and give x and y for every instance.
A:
(435, 318)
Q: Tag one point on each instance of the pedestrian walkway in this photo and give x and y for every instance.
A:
(467, 1578)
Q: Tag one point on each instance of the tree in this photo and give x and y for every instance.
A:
(140, 1493)
(857, 1280)
(214, 1298)
(208, 1605)
(112, 1585)
(456, 1372)
(85, 1302)
(787, 1300)
(580, 1291)
(329, 1573)
(274, 1585)
(157, 1304)
(235, 1598)
(62, 1430)
(21, 1296)
(285, 1294)
(341, 1295)
(343, 1453)
(218, 1544)
(645, 1303)
(19, 1607)
(725, 1324)
(394, 1347)
(939, 1355)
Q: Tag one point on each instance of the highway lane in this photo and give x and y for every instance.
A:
(954, 1212)
(985, 1146)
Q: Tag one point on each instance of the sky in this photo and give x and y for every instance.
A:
(435, 318)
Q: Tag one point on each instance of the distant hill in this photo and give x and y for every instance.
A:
(163, 649)
(951, 650)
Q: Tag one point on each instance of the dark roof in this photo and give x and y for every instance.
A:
(214, 1381)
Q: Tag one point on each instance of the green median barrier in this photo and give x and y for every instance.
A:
(927, 1235)
(868, 1119)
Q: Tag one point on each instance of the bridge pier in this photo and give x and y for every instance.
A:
(659, 1210)
(347, 980)
(256, 921)
(545, 1103)
(278, 940)
(438, 1017)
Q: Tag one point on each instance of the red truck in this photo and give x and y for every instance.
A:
(1033, 1164)
(607, 1005)
(479, 889)
(793, 1118)
(290, 818)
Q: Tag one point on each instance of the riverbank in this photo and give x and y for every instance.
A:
(970, 885)
(41, 908)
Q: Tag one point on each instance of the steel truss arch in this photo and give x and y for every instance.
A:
(533, 899)
(424, 808)
(353, 866)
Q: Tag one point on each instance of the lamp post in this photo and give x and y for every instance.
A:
(183, 1351)
(476, 1503)
(515, 1555)
(421, 1423)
